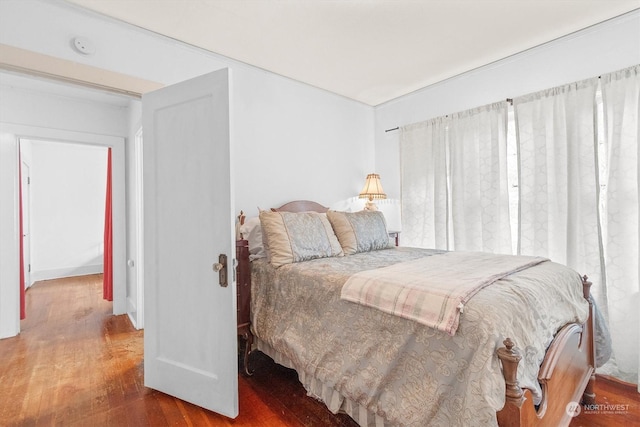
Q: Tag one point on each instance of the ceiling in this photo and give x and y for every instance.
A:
(368, 50)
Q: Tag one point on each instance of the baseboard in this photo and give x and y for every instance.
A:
(132, 312)
(58, 273)
(132, 320)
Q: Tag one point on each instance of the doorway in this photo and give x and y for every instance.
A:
(63, 199)
(9, 216)
(94, 115)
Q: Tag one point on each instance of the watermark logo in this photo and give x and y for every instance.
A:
(607, 408)
(573, 409)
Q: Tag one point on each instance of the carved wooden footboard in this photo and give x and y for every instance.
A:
(566, 375)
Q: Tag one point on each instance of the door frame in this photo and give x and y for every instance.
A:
(25, 176)
(139, 222)
(10, 306)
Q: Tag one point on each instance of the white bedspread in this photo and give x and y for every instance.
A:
(432, 290)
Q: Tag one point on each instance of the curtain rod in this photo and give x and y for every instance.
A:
(509, 100)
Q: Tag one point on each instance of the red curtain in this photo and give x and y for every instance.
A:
(107, 284)
(23, 313)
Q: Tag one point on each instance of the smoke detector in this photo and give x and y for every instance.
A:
(83, 46)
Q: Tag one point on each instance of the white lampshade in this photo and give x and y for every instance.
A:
(372, 190)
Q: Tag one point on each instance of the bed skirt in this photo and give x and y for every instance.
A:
(334, 401)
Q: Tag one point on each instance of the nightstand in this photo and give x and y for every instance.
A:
(394, 235)
(243, 287)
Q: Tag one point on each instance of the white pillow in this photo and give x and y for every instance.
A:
(252, 232)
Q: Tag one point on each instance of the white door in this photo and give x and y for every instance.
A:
(26, 221)
(190, 319)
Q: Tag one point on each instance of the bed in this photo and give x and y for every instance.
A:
(522, 353)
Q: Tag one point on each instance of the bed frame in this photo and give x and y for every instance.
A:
(567, 373)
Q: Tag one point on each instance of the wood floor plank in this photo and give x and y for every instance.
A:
(75, 364)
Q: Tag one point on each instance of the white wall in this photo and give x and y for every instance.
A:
(603, 48)
(9, 247)
(19, 105)
(293, 141)
(68, 187)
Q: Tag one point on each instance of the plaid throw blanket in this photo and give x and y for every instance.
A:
(434, 289)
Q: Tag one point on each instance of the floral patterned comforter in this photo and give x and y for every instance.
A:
(401, 372)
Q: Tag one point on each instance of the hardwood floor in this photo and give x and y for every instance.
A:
(76, 365)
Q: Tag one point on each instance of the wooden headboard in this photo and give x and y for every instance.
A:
(301, 206)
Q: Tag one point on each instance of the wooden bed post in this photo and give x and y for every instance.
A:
(510, 357)
(511, 414)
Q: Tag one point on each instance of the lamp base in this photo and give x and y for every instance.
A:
(370, 206)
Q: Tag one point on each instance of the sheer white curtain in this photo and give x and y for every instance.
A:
(558, 176)
(478, 179)
(578, 190)
(423, 158)
(579, 197)
(621, 201)
(454, 181)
